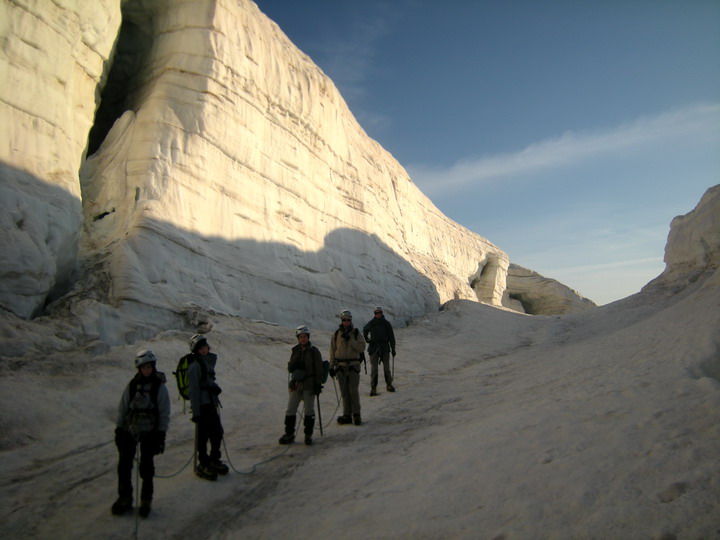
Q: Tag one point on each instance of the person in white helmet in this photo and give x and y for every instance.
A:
(204, 402)
(143, 418)
(306, 378)
(345, 347)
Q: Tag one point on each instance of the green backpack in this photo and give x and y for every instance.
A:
(181, 375)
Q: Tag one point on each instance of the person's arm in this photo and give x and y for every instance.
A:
(358, 344)
(123, 408)
(163, 408)
(332, 349)
(194, 389)
(366, 331)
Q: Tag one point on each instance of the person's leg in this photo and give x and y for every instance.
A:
(309, 402)
(345, 391)
(148, 445)
(342, 377)
(374, 372)
(354, 391)
(387, 371)
(290, 417)
(203, 436)
(126, 455)
(216, 435)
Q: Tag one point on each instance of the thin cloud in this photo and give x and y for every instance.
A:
(603, 267)
(349, 58)
(568, 149)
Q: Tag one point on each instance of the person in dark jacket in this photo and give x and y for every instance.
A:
(204, 402)
(379, 333)
(306, 379)
(143, 419)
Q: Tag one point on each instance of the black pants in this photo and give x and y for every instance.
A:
(209, 429)
(127, 445)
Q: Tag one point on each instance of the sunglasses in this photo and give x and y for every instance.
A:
(346, 320)
(378, 313)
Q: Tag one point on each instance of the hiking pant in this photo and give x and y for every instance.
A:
(383, 357)
(209, 429)
(127, 445)
(296, 396)
(349, 379)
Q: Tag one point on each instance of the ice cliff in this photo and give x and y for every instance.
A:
(166, 159)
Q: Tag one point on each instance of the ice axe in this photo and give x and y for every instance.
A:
(319, 414)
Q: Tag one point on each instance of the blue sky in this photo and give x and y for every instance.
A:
(569, 133)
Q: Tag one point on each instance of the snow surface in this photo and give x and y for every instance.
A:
(602, 424)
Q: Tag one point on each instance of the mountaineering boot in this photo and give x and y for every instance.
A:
(344, 419)
(218, 467)
(122, 506)
(356, 419)
(204, 471)
(289, 435)
(373, 391)
(309, 425)
(145, 505)
(146, 493)
(390, 387)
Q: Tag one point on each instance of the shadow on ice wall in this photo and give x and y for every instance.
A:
(159, 277)
(162, 275)
(41, 225)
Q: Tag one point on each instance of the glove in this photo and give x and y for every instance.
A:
(393, 353)
(331, 372)
(196, 419)
(118, 436)
(318, 389)
(160, 446)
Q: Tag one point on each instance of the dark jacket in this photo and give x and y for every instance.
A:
(202, 387)
(379, 333)
(306, 365)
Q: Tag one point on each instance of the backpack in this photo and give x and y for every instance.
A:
(143, 411)
(326, 371)
(181, 375)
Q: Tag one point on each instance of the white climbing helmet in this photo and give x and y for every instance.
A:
(346, 314)
(302, 330)
(196, 341)
(143, 357)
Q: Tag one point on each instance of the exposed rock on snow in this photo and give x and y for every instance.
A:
(225, 171)
(529, 292)
(693, 246)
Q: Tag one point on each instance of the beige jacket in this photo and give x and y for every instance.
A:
(346, 352)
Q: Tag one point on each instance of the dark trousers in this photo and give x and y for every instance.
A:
(209, 429)
(127, 445)
(384, 358)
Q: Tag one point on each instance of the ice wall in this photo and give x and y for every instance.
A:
(224, 170)
(52, 60)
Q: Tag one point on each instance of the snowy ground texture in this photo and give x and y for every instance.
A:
(604, 424)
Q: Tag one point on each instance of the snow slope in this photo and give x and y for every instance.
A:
(603, 424)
